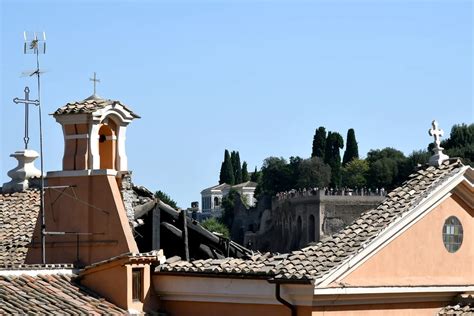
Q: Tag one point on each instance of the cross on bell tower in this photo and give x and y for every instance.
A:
(95, 80)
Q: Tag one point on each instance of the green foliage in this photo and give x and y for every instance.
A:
(461, 143)
(214, 225)
(384, 168)
(276, 176)
(227, 172)
(312, 173)
(166, 199)
(334, 143)
(319, 143)
(352, 150)
(236, 167)
(245, 173)
(419, 157)
(295, 170)
(354, 173)
(256, 176)
(228, 204)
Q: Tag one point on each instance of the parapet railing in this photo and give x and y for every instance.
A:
(329, 192)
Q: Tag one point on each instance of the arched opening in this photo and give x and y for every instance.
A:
(311, 228)
(107, 145)
(216, 201)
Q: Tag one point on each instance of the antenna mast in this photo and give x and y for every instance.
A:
(35, 43)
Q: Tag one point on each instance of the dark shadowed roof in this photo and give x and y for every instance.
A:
(90, 105)
(315, 261)
(50, 294)
(462, 305)
(18, 215)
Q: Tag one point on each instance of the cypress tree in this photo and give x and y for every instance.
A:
(327, 149)
(334, 143)
(237, 168)
(352, 150)
(255, 176)
(319, 143)
(227, 173)
(245, 173)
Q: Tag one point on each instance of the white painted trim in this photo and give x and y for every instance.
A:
(393, 290)
(35, 272)
(81, 173)
(228, 290)
(393, 230)
(77, 136)
(112, 137)
(94, 157)
(121, 163)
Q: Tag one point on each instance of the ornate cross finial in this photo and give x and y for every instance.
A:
(27, 102)
(436, 132)
(95, 80)
(438, 157)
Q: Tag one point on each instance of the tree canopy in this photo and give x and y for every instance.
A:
(354, 173)
(236, 167)
(334, 143)
(227, 171)
(214, 225)
(460, 143)
(166, 199)
(245, 173)
(319, 143)
(352, 150)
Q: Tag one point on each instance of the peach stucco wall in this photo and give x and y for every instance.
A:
(406, 309)
(98, 209)
(119, 290)
(418, 256)
(100, 282)
(184, 308)
(76, 150)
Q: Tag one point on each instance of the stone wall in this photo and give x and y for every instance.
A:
(282, 225)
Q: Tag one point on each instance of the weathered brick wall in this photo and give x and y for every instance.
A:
(285, 225)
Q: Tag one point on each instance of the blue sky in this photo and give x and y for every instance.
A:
(257, 77)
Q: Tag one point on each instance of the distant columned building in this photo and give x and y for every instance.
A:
(212, 197)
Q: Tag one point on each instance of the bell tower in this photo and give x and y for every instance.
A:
(85, 216)
(94, 134)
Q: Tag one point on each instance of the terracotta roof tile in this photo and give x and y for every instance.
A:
(462, 305)
(18, 214)
(51, 294)
(89, 106)
(316, 260)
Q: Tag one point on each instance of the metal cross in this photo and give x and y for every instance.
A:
(95, 80)
(436, 133)
(27, 102)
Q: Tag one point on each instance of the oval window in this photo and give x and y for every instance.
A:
(452, 234)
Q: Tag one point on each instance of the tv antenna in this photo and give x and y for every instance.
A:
(35, 43)
(32, 72)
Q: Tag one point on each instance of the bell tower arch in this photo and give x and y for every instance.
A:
(94, 134)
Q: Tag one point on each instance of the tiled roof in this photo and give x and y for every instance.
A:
(314, 261)
(89, 106)
(153, 255)
(462, 305)
(18, 215)
(50, 294)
